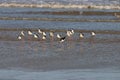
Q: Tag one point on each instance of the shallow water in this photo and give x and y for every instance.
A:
(92, 57)
(38, 18)
(77, 74)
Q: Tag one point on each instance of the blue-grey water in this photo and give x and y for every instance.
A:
(90, 58)
(37, 13)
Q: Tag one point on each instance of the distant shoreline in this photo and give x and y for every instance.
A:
(80, 6)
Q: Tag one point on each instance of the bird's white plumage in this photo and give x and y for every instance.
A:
(44, 34)
(81, 35)
(68, 33)
(43, 37)
(72, 31)
(30, 33)
(58, 36)
(93, 33)
(62, 41)
(22, 33)
(39, 31)
(19, 37)
(35, 36)
(51, 34)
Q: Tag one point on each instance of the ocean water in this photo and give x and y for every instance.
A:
(90, 58)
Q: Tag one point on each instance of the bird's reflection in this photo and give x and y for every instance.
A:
(40, 42)
(81, 48)
(43, 46)
(92, 41)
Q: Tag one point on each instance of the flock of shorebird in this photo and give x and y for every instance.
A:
(69, 33)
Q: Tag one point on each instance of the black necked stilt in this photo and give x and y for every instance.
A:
(43, 33)
(51, 34)
(22, 33)
(30, 33)
(81, 35)
(35, 36)
(39, 31)
(93, 33)
(58, 36)
(43, 37)
(19, 37)
(69, 33)
(62, 39)
(72, 32)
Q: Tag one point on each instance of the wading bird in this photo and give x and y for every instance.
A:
(93, 33)
(19, 37)
(35, 36)
(62, 39)
(30, 33)
(51, 34)
(72, 32)
(69, 33)
(58, 36)
(81, 35)
(43, 37)
(22, 33)
(39, 31)
(43, 33)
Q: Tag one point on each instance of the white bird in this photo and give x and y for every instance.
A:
(68, 33)
(81, 35)
(51, 34)
(43, 37)
(58, 36)
(22, 33)
(39, 31)
(93, 33)
(30, 33)
(72, 31)
(19, 37)
(44, 34)
(35, 36)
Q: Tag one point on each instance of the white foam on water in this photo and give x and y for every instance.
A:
(58, 5)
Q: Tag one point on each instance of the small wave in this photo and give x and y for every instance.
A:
(58, 5)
